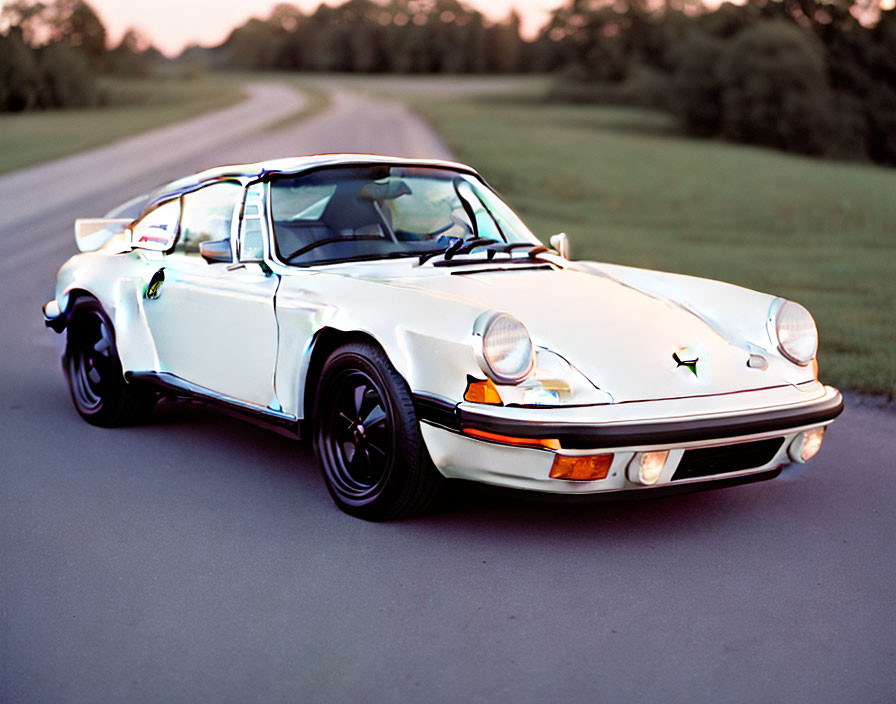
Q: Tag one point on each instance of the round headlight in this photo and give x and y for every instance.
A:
(503, 348)
(797, 335)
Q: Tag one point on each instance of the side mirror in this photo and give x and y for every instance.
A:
(561, 244)
(216, 251)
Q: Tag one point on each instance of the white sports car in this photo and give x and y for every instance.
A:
(400, 314)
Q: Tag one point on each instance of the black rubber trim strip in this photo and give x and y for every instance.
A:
(498, 269)
(585, 437)
(174, 385)
(437, 410)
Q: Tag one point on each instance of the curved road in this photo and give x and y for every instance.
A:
(200, 559)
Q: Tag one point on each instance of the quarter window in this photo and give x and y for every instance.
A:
(156, 229)
(252, 231)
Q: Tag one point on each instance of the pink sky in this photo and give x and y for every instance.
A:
(173, 24)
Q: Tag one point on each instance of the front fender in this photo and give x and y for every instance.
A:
(426, 336)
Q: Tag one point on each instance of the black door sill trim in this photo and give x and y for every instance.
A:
(172, 384)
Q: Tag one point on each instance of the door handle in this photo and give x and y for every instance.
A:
(155, 284)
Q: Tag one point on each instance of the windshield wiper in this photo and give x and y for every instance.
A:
(329, 240)
(464, 246)
(532, 254)
(534, 249)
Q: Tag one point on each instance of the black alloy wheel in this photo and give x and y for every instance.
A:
(367, 437)
(98, 389)
(357, 435)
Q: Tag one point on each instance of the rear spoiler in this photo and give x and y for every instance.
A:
(93, 233)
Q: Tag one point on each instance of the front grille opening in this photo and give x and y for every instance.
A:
(707, 461)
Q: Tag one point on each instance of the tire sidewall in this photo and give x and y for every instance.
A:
(403, 428)
(106, 412)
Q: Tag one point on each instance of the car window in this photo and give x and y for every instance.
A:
(208, 215)
(156, 230)
(297, 201)
(379, 211)
(252, 228)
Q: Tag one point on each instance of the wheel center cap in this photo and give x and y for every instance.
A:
(359, 432)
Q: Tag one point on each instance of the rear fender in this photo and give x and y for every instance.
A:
(117, 283)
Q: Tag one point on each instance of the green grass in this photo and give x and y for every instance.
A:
(629, 189)
(133, 106)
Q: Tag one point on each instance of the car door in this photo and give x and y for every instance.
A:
(213, 323)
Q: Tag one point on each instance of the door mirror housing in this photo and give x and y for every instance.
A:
(561, 244)
(216, 251)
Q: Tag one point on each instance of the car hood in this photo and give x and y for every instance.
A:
(631, 344)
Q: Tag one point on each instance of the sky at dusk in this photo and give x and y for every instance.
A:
(173, 24)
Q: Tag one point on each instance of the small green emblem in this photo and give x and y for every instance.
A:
(689, 363)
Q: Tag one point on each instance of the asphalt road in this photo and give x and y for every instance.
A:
(198, 558)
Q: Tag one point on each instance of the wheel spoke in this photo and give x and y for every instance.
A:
(359, 393)
(359, 466)
(104, 344)
(358, 435)
(377, 449)
(376, 417)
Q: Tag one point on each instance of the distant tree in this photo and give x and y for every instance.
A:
(590, 36)
(21, 83)
(775, 88)
(695, 88)
(71, 22)
(255, 46)
(29, 18)
(727, 20)
(68, 79)
(134, 56)
(505, 46)
(75, 23)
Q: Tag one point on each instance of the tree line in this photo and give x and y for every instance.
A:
(363, 36)
(51, 54)
(800, 75)
(809, 76)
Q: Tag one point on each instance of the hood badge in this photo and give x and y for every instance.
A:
(683, 358)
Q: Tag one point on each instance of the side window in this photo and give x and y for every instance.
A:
(208, 215)
(252, 229)
(156, 229)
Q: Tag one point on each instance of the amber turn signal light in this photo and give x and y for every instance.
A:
(581, 468)
(547, 443)
(483, 392)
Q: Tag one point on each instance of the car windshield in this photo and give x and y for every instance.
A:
(374, 212)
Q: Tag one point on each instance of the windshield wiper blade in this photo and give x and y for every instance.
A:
(329, 240)
(534, 249)
(464, 246)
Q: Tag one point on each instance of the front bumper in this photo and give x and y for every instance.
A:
(764, 423)
(53, 316)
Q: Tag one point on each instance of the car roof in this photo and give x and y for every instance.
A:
(289, 165)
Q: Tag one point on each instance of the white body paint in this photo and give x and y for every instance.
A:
(246, 332)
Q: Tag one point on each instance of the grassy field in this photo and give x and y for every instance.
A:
(629, 189)
(133, 106)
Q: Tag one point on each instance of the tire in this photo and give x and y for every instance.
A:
(367, 438)
(93, 369)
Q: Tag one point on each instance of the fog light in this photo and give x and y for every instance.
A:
(647, 467)
(806, 445)
(581, 468)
